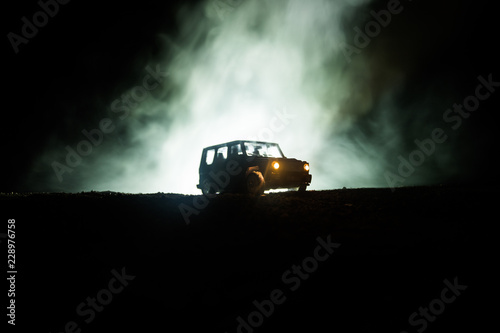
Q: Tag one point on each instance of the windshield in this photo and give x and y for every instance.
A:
(262, 149)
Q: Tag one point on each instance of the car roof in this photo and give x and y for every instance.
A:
(230, 143)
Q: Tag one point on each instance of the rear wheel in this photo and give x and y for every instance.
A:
(209, 188)
(255, 183)
(302, 188)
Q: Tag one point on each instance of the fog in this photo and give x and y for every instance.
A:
(273, 70)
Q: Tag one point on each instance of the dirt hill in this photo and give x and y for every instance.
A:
(351, 260)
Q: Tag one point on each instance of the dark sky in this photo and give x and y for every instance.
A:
(90, 52)
(85, 52)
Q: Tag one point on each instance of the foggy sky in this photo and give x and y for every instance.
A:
(164, 81)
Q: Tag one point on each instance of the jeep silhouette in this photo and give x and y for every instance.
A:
(250, 167)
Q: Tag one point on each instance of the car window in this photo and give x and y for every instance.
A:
(236, 150)
(250, 149)
(262, 149)
(222, 153)
(210, 156)
(273, 151)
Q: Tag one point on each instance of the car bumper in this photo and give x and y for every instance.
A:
(287, 180)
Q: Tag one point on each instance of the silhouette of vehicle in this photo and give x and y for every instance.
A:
(250, 167)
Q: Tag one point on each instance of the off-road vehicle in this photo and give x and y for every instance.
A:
(250, 167)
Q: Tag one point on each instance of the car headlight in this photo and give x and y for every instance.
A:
(306, 167)
(276, 165)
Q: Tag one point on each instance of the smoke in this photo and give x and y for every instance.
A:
(274, 70)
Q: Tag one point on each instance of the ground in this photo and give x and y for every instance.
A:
(347, 260)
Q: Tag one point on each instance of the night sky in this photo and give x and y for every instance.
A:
(66, 77)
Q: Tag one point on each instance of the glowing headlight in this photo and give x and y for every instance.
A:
(276, 165)
(306, 167)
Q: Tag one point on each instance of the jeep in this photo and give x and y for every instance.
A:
(250, 167)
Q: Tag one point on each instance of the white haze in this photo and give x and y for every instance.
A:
(228, 77)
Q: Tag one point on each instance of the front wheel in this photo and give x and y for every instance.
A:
(255, 183)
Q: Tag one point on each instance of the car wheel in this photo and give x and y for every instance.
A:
(302, 188)
(255, 183)
(209, 188)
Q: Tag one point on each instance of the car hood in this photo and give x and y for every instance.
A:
(289, 164)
